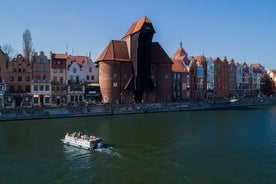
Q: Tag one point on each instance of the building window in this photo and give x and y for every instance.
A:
(9, 99)
(47, 100)
(41, 88)
(37, 69)
(47, 88)
(60, 70)
(19, 79)
(28, 89)
(44, 77)
(41, 60)
(27, 99)
(92, 77)
(35, 87)
(58, 62)
(44, 68)
(11, 78)
(35, 100)
(27, 78)
(87, 77)
(55, 79)
(115, 84)
(55, 70)
(24, 70)
(90, 69)
(38, 78)
(61, 80)
(74, 70)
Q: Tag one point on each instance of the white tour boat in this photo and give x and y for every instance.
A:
(83, 141)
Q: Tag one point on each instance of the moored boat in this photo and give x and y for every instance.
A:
(83, 141)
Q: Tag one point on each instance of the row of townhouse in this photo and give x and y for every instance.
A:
(133, 69)
(62, 79)
(203, 77)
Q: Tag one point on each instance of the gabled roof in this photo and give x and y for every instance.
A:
(217, 59)
(81, 60)
(180, 52)
(58, 56)
(199, 58)
(158, 54)
(178, 66)
(135, 27)
(115, 51)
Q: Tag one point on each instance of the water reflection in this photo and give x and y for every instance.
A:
(77, 158)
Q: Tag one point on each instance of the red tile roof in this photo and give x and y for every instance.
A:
(178, 66)
(135, 27)
(115, 51)
(81, 60)
(158, 55)
(58, 56)
(180, 52)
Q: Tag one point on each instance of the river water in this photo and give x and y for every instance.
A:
(219, 146)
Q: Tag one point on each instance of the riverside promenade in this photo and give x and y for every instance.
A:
(111, 109)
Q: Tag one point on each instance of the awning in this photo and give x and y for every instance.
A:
(36, 96)
(93, 84)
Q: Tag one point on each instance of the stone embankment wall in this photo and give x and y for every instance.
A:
(108, 109)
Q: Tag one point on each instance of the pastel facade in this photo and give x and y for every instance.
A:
(41, 86)
(75, 93)
(59, 78)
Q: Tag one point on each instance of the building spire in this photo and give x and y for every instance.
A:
(181, 44)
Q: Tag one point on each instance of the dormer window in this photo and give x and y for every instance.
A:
(58, 62)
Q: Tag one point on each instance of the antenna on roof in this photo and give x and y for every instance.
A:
(66, 46)
(72, 51)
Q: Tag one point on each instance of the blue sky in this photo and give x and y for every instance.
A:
(243, 30)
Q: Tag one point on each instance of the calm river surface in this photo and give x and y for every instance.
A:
(220, 146)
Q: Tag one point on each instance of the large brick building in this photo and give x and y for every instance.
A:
(135, 69)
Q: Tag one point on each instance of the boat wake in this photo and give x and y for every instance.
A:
(109, 150)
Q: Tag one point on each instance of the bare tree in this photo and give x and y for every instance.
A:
(27, 44)
(9, 50)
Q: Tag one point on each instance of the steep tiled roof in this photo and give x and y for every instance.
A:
(135, 27)
(115, 51)
(199, 58)
(178, 66)
(81, 60)
(158, 54)
(180, 52)
(59, 56)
